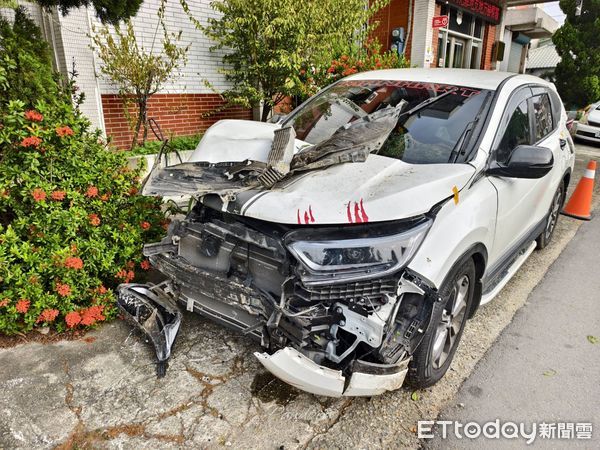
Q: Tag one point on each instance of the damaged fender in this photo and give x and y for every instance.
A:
(151, 309)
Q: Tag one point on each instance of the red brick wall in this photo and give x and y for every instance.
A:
(394, 15)
(488, 42)
(177, 114)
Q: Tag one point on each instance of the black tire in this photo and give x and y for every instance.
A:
(552, 218)
(427, 366)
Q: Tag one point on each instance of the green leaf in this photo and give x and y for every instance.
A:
(549, 373)
(415, 396)
(593, 339)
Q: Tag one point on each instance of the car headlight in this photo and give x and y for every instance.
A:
(327, 261)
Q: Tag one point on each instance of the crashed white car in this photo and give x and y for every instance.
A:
(355, 237)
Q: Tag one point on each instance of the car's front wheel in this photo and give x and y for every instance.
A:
(432, 358)
(552, 219)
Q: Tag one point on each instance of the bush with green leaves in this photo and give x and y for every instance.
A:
(356, 58)
(25, 62)
(71, 222)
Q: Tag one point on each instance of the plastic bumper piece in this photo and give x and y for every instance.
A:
(291, 366)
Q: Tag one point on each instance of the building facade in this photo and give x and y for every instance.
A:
(452, 33)
(471, 34)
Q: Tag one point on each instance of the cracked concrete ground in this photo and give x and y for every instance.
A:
(102, 392)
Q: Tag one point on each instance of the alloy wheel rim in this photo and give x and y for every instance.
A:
(554, 212)
(451, 322)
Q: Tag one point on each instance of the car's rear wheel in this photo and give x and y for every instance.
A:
(552, 219)
(433, 357)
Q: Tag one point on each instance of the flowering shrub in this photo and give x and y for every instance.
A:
(368, 57)
(71, 222)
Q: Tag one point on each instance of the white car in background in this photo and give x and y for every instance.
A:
(355, 238)
(588, 126)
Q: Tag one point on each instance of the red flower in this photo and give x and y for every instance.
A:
(331, 69)
(133, 190)
(63, 289)
(22, 305)
(64, 131)
(94, 219)
(58, 195)
(92, 191)
(125, 275)
(47, 315)
(101, 290)
(72, 319)
(145, 225)
(105, 197)
(92, 314)
(145, 265)
(74, 262)
(31, 141)
(38, 195)
(33, 115)
(4, 302)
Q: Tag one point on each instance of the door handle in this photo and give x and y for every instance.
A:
(563, 143)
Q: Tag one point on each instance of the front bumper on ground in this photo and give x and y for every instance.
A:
(367, 379)
(587, 132)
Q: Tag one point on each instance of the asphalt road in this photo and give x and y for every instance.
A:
(101, 391)
(545, 366)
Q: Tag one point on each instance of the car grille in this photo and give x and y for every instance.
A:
(359, 289)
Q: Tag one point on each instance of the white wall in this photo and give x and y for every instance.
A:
(69, 35)
(421, 47)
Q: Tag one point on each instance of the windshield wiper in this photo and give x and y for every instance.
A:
(459, 148)
(428, 102)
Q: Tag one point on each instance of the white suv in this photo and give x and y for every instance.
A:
(355, 237)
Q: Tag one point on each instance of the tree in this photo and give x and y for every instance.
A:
(577, 42)
(139, 73)
(109, 11)
(25, 62)
(266, 43)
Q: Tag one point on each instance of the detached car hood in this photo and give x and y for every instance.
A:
(372, 190)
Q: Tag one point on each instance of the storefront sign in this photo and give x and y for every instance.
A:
(485, 9)
(439, 21)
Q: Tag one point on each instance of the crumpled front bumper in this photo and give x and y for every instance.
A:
(367, 379)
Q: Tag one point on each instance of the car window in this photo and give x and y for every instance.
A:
(429, 135)
(517, 132)
(542, 113)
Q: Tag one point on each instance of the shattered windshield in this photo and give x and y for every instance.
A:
(430, 134)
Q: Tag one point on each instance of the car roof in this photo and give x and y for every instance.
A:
(479, 79)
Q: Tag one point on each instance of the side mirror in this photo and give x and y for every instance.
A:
(526, 161)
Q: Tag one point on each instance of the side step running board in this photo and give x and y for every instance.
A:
(489, 296)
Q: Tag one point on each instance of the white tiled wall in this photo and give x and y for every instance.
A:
(69, 35)
(423, 13)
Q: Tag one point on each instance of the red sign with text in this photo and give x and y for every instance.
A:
(439, 21)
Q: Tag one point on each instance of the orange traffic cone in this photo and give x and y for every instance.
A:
(580, 204)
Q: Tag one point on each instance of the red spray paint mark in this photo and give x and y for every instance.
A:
(307, 216)
(365, 218)
(360, 215)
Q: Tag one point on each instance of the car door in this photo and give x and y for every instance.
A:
(522, 203)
